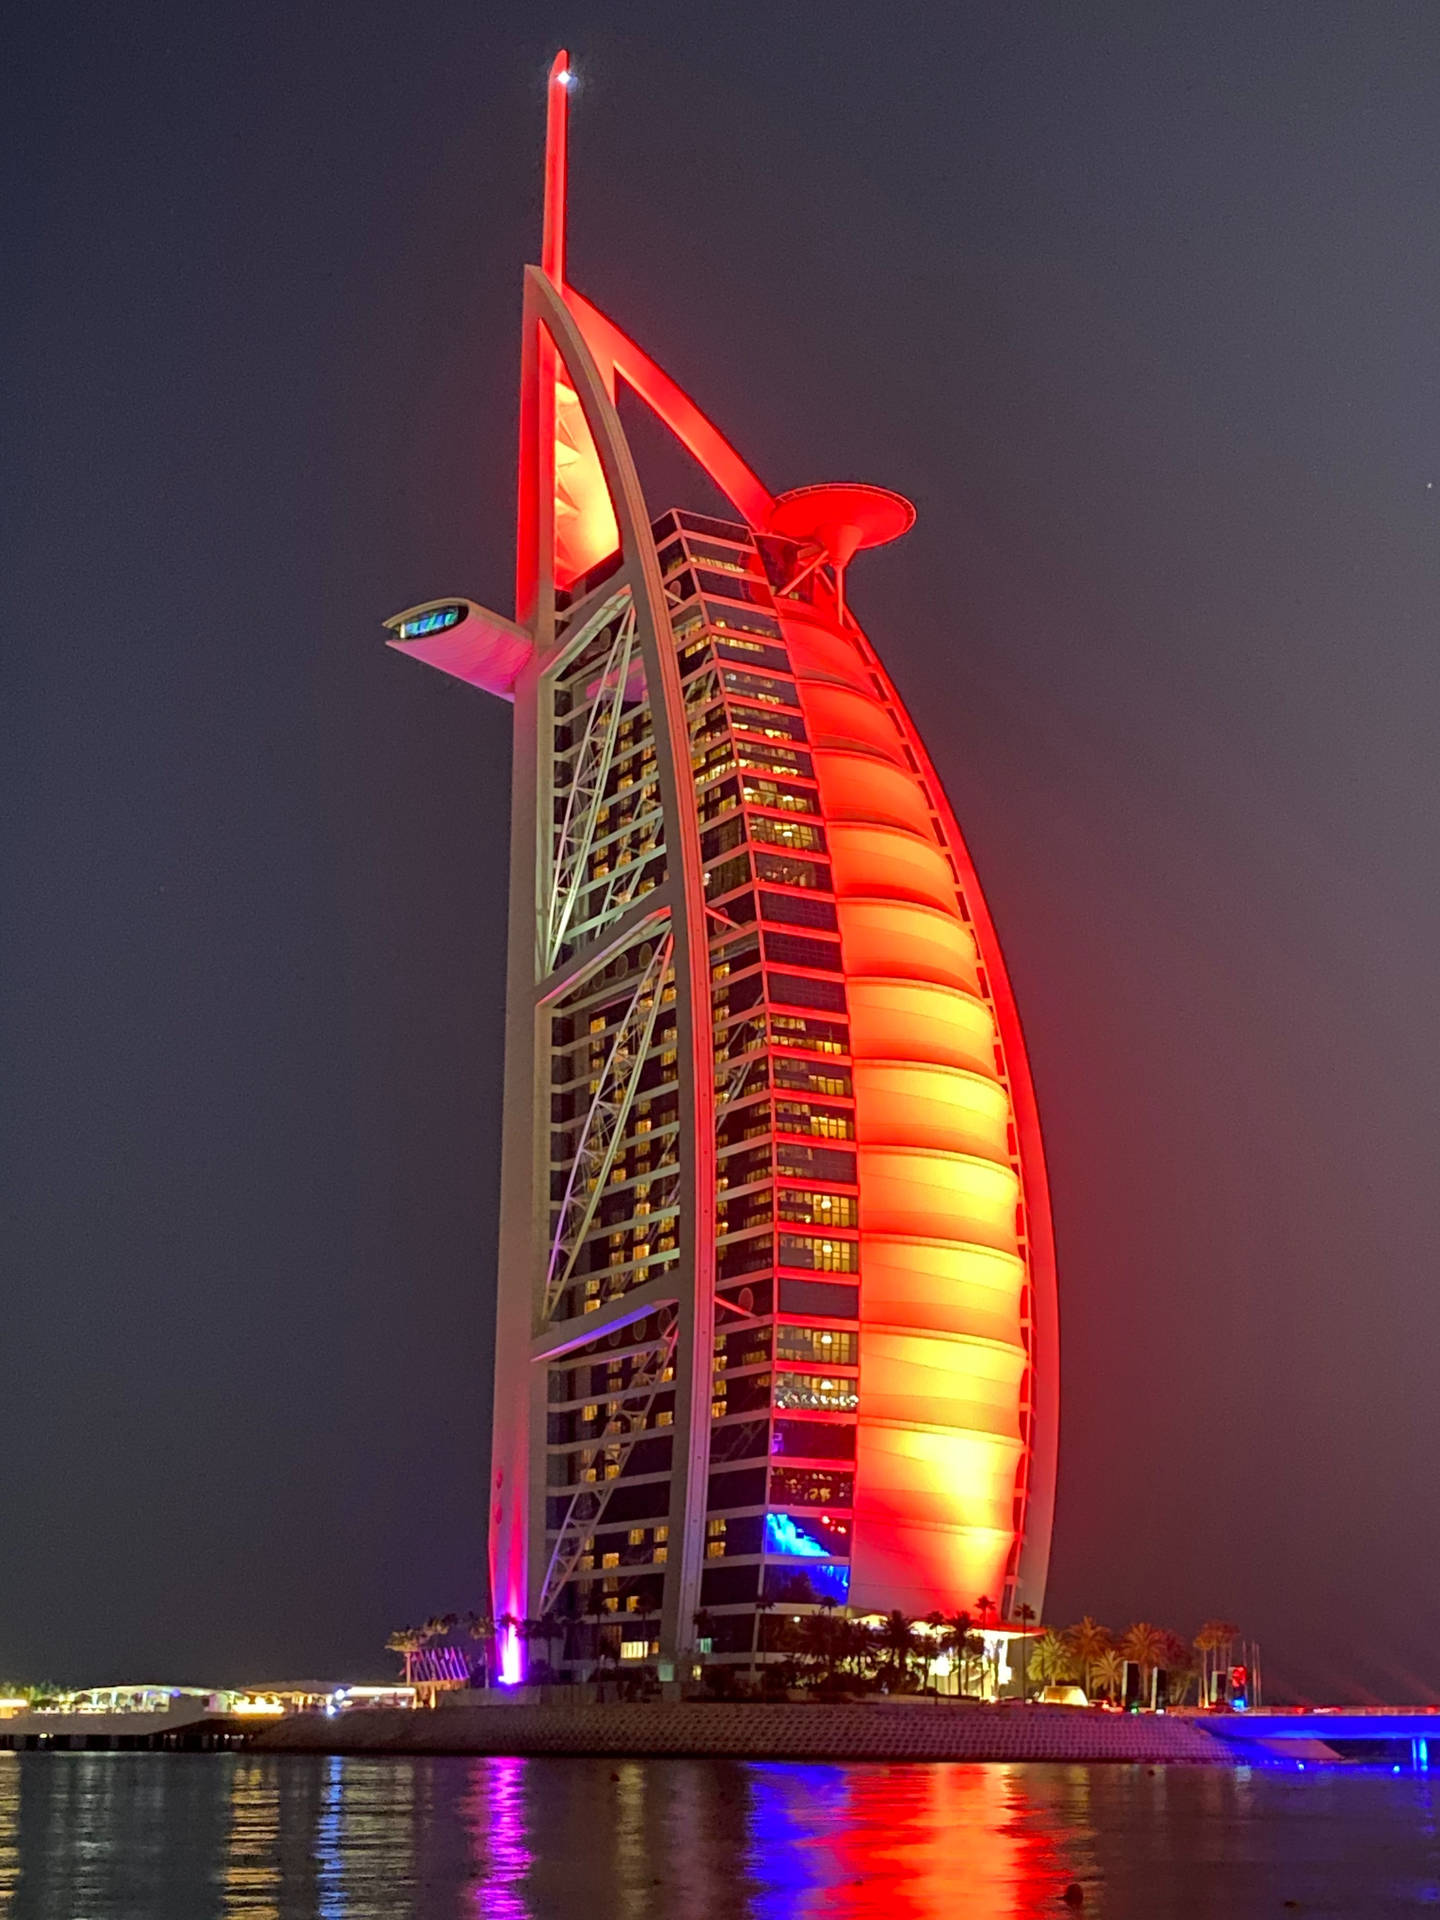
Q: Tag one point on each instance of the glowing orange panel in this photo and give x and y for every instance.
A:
(943, 1272)
(908, 938)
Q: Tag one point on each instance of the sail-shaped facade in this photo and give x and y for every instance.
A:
(776, 1313)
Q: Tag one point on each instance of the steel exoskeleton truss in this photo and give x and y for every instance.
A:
(564, 927)
(593, 1154)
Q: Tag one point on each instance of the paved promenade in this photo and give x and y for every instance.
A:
(877, 1731)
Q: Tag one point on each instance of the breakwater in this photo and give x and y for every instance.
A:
(755, 1731)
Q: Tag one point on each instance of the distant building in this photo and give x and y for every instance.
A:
(777, 1314)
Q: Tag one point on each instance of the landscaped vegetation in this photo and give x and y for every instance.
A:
(821, 1649)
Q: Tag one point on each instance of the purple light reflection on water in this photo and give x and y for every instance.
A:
(494, 1812)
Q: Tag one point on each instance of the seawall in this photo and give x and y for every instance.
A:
(752, 1731)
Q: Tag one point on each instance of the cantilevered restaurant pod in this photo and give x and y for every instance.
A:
(776, 1315)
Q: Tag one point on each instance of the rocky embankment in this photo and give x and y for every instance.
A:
(751, 1731)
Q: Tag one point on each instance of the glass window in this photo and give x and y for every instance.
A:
(793, 911)
(774, 725)
(757, 791)
(819, 1255)
(794, 950)
(816, 1392)
(801, 1077)
(730, 559)
(819, 1209)
(799, 834)
(820, 1163)
(813, 1440)
(787, 872)
(799, 990)
(834, 1345)
(729, 875)
(812, 1487)
(759, 686)
(773, 758)
(815, 1036)
(735, 584)
(722, 839)
(706, 524)
(754, 653)
(741, 619)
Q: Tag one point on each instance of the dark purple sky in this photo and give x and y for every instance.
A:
(1139, 303)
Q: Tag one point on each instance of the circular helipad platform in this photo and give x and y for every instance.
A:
(843, 517)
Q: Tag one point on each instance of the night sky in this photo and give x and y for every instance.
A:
(1139, 304)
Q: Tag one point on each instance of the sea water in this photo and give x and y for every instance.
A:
(153, 1836)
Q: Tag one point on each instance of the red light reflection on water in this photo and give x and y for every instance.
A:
(916, 1842)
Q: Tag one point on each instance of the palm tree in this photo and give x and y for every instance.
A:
(1215, 1638)
(1027, 1618)
(962, 1644)
(823, 1642)
(985, 1608)
(481, 1627)
(1053, 1658)
(1180, 1670)
(529, 1631)
(1109, 1671)
(1088, 1641)
(1145, 1645)
(407, 1641)
(896, 1639)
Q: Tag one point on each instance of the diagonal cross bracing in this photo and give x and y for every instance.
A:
(590, 768)
(605, 1121)
(590, 1499)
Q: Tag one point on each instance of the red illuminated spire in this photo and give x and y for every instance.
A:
(557, 118)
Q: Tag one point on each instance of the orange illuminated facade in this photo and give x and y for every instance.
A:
(776, 1315)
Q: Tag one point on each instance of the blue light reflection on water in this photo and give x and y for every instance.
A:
(330, 1886)
(99, 1836)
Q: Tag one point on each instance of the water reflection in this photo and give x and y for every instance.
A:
(903, 1842)
(250, 1879)
(329, 1885)
(113, 1836)
(495, 1816)
(9, 1829)
(368, 1838)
